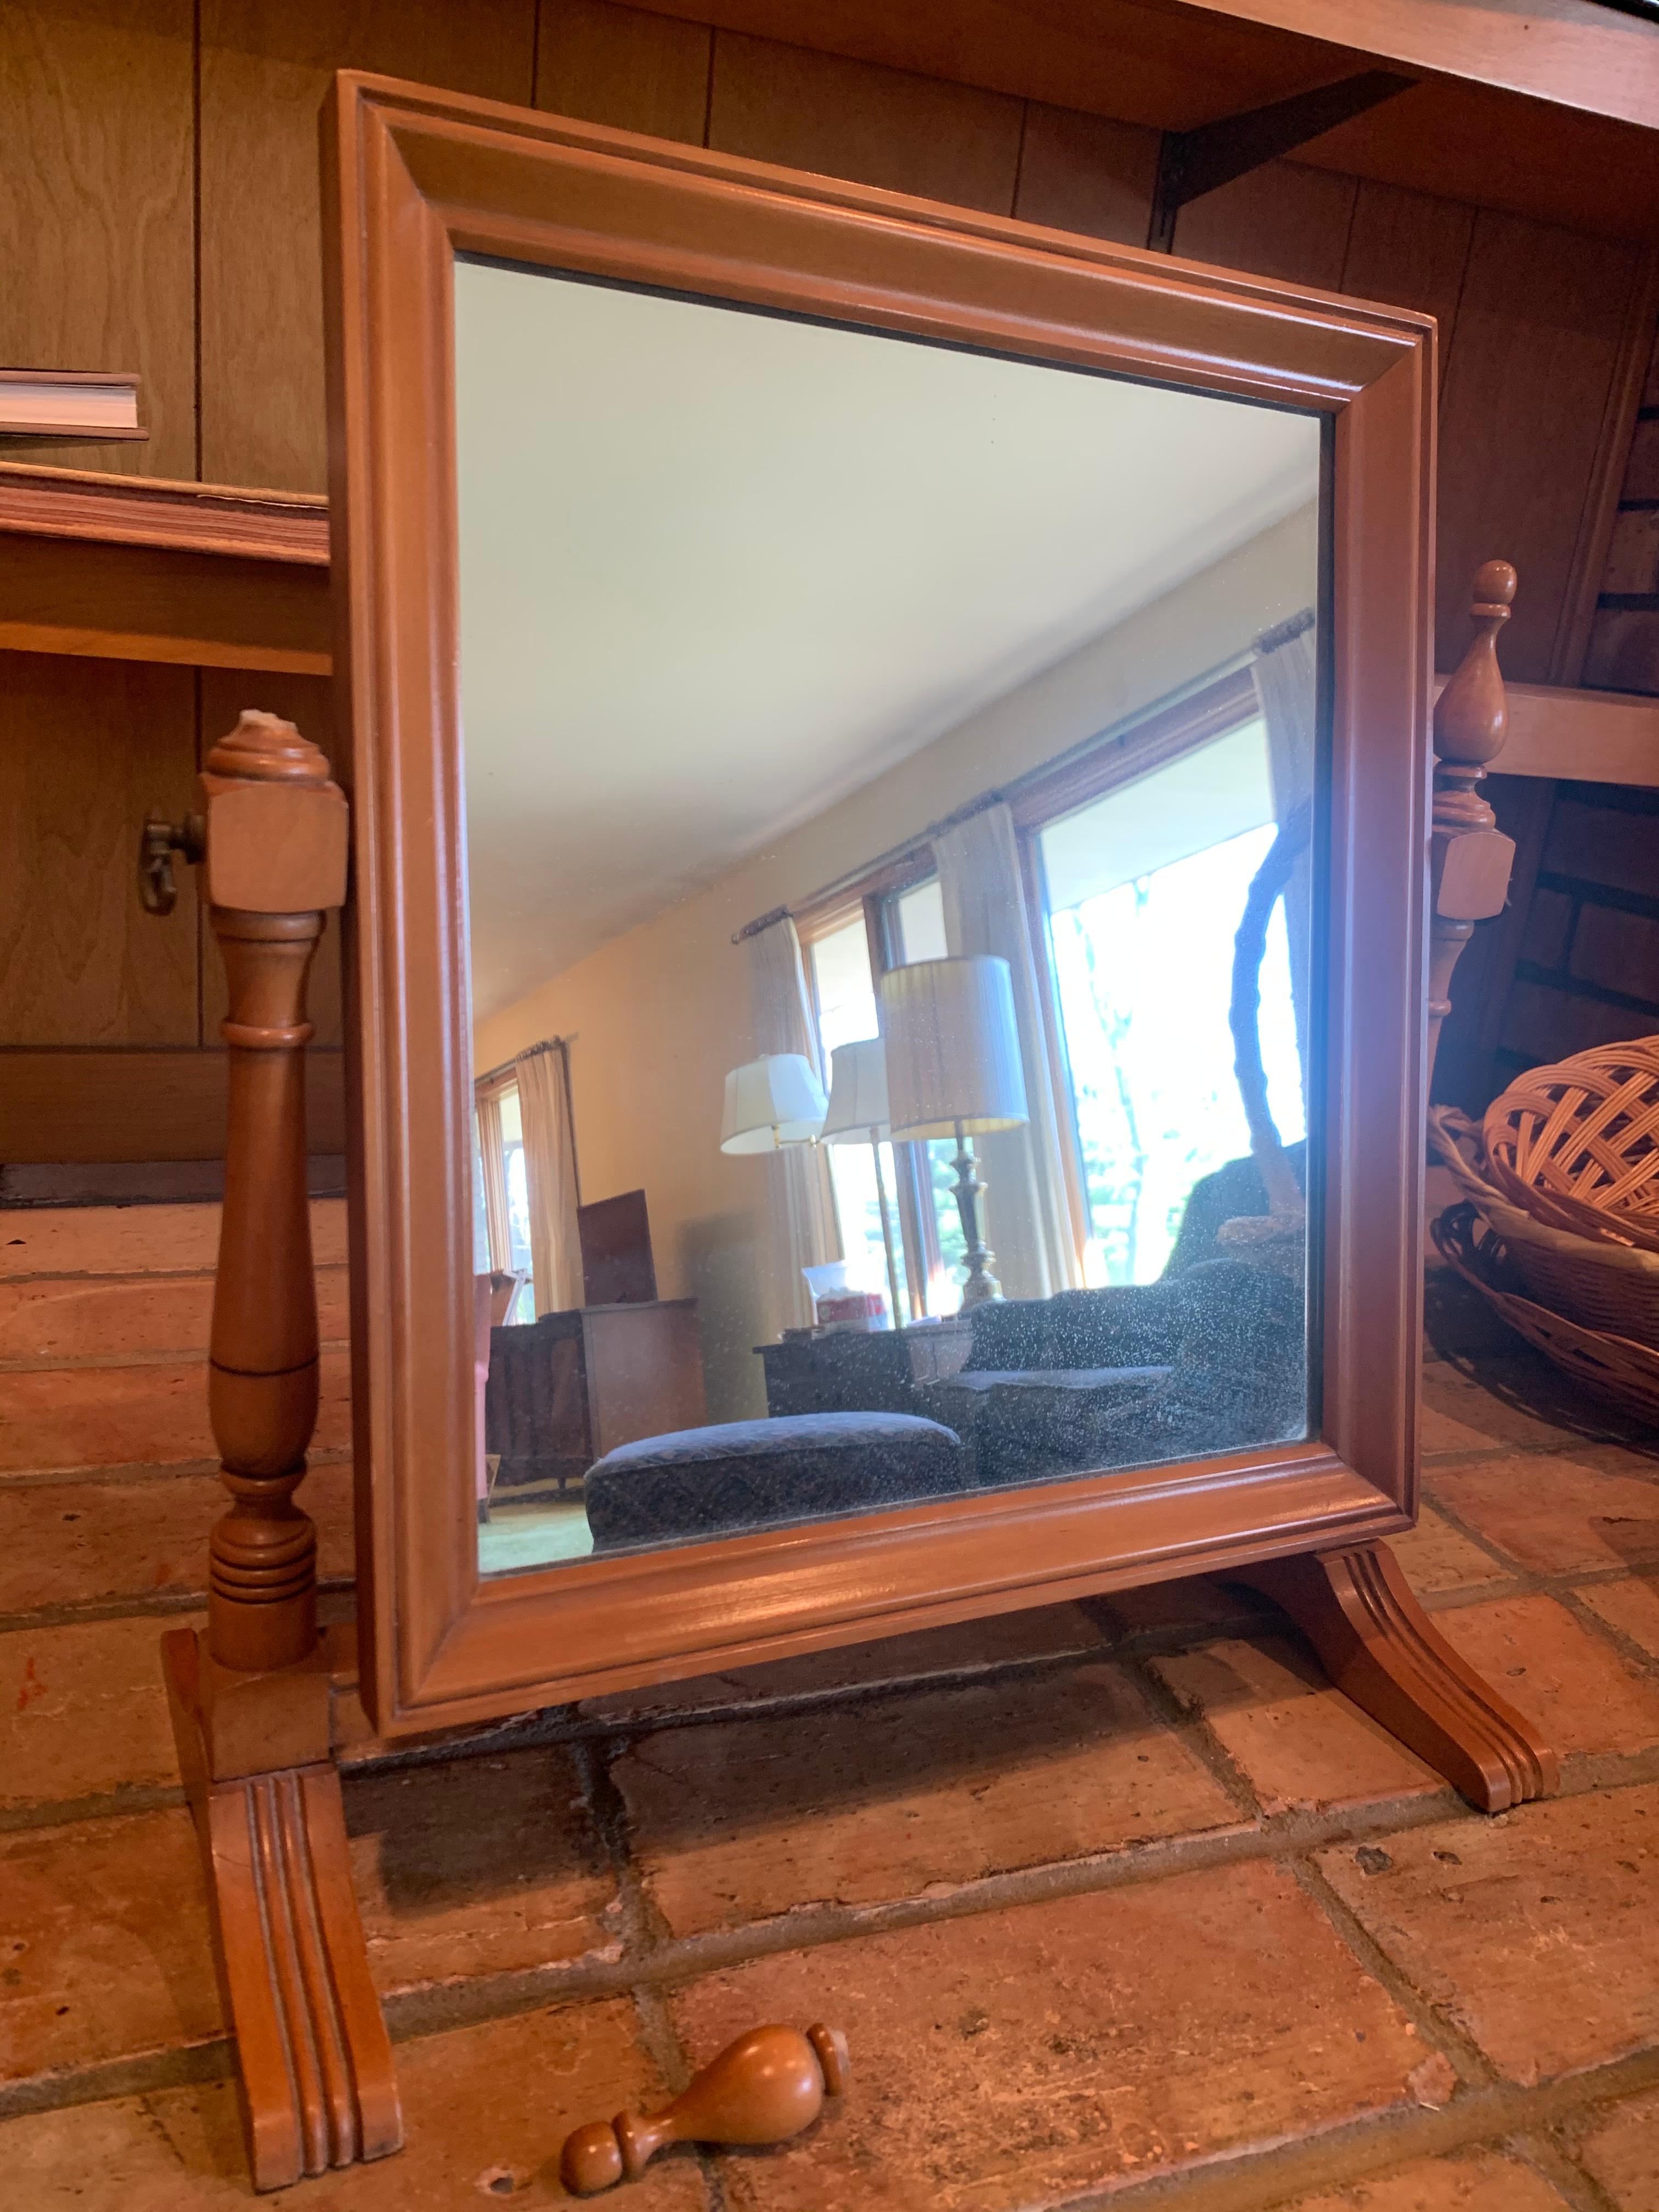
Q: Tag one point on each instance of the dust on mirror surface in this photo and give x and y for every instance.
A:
(890, 777)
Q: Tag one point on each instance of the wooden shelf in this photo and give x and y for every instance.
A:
(136, 568)
(1548, 109)
(1584, 737)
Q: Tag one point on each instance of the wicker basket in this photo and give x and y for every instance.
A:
(1577, 1144)
(1610, 1288)
(1624, 1373)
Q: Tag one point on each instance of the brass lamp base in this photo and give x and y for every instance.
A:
(981, 1285)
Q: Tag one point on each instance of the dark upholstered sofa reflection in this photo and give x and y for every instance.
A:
(1208, 1361)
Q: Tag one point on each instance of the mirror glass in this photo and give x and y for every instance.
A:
(892, 776)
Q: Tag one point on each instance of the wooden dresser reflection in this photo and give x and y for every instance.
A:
(567, 1389)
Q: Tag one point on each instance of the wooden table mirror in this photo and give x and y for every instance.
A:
(886, 948)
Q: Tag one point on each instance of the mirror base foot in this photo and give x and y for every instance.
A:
(1381, 1649)
(313, 2059)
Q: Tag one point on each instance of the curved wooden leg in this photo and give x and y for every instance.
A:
(1381, 1649)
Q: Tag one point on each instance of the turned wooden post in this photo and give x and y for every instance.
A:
(1470, 857)
(251, 1698)
(275, 843)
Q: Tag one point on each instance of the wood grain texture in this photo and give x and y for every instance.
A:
(1281, 220)
(127, 602)
(86, 751)
(877, 126)
(70, 1105)
(1087, 173)
(1412, 250)
(1537, 362)
(621, 66)
(95, 208)
(306, 701)
(266, 67)
(179, 514)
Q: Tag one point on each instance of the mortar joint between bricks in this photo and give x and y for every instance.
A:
(642, 1926)
(1467, 2062)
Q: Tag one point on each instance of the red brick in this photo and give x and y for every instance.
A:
(103, 1946)
(480, 2105)
(1437, 1559)
(152, 1415)
(478, 1866)
(83, 1711)
(1036, 1632)
(1623, 650)
(1620, 2147)
(1535, 1931)
(1618, 951)
(1544, 1022)
(1576, 1689)
(1020, 2057)
(1460, 1415)
(1474, 2181)
(64, 1543)
(113, 1317)
(1633, 553)
(1562, 1514)
(1630, 1605)
(1549, 925)
(1642, 471)
(125, 1240)
(1602, 844)
(738, 1822)
(1300, 1742)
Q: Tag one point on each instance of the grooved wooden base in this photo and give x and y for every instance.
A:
(313, 2053)
(1381, 1649)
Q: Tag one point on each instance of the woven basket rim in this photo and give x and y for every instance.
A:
(1554, 1142)
(1627, 1349)
(1519, 1224)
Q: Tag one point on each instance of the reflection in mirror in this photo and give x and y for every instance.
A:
(891, 774)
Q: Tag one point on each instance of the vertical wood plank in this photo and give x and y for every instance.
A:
(1085, 172)
(1536, 361)
(856, 119)
(619, 65)
(265, 68)
(1281, 220)
(95, 211)
(307, 701)
(1409, 250)
(88, 748)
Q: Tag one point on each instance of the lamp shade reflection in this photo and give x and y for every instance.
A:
(953, 1064)
(858, 1094)
(775, 1100)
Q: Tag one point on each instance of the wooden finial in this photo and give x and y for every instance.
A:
(1470, 857)
(763, 2088)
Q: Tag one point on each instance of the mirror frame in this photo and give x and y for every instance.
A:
(414, 177)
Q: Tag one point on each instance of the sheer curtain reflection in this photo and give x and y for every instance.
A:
(1029, 1217)
(804, 1226)
(492, 1175)
(549, 1157)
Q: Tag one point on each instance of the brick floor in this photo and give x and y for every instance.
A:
(1014, 2058)
(905, 1798)
(1535, 1933)
(1485, 2182)
(1117, 1902)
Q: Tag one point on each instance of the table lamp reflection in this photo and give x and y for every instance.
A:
(953, 1070)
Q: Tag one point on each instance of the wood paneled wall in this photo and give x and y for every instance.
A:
(158, 186)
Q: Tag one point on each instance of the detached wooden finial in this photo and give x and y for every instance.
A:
(1470, 857)
(763, 2088)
